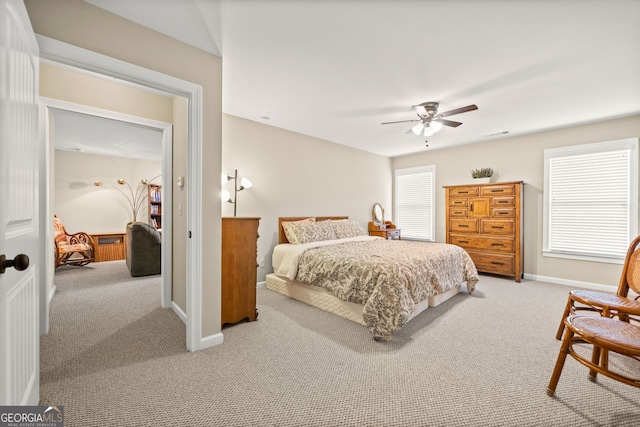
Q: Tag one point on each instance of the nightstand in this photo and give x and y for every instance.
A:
(387, 231)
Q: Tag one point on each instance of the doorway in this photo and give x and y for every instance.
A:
(52, 108)
(63, 53)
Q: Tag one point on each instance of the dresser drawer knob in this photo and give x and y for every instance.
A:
(497, 226)
(497, 244)
(497, 262)
(463, 225)
(497, 191)
(463, 241)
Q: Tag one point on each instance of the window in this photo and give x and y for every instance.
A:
(591, 200)
(415, 202)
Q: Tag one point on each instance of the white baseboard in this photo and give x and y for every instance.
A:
(578, 284)
(261, 284)
(206, 342)
(572, 283)
(178, 311)
(52, 293)
(211, 340)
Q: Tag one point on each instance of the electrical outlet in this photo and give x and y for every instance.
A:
(261, 262)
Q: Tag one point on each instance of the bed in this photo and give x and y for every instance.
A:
(378, 283)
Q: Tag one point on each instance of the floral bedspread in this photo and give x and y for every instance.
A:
(388, 277)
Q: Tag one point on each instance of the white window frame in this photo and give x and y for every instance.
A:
(629, 145)
(431, 228)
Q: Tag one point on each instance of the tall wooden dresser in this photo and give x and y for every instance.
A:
(239, 269)
(486, 220)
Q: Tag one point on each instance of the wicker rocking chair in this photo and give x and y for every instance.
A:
(608, 304)
(72, 249)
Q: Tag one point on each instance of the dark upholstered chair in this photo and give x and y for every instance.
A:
(143, 249)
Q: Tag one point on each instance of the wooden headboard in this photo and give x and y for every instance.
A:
(282, 238)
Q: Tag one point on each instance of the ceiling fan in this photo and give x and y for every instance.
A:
(430, 121)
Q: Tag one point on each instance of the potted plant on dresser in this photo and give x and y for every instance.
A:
(482, 175)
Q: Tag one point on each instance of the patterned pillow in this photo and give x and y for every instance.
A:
(60, 236)
(345, 228)
(285, 224)
(307, 232)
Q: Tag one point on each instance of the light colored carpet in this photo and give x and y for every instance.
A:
(115, 358)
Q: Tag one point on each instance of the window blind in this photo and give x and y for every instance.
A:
(589, 202)
(415, 202)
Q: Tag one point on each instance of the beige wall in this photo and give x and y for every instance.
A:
(298, 175)
(83, 207)
(83, 89)
(86, 26)
(521, 159)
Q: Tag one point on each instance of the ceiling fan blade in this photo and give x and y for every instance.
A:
(448, 122)
(426, 109)
(458, 111)
(401, 121)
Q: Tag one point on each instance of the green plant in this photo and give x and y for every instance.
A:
(481, 173)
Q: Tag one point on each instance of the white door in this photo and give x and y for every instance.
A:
(19, 333)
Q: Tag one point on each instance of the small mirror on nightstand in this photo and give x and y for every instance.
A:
(378, 215)
(381, 228)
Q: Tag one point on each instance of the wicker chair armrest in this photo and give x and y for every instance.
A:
(80, 237)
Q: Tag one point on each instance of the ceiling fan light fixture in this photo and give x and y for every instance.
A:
(428, 131)
(436, 126)
(420, 110)
(417, 129)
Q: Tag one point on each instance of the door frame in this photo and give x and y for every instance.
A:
(48, 104)
(64, 53)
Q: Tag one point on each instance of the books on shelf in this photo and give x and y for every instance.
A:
(155, 195)
(155, 205)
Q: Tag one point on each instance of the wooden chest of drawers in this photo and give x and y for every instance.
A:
(486, 220)
(239, 269)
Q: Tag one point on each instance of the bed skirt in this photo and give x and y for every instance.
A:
(320, 298)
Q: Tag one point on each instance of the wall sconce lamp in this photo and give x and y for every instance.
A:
(226, 196)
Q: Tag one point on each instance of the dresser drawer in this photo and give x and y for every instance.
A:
(393, 233)
(458, 202)
(497, 226)
(503, 201)
(463, 225)
(497, 244)
(459, 212)
(497, 190)
(503, 212)
(464, 191)
(494, 263)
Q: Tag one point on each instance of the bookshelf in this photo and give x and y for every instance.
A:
(155, 205)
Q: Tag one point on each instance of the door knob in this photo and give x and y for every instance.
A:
(20, 262)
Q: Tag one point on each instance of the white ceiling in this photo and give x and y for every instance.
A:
(337, 69)
(96, 135)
